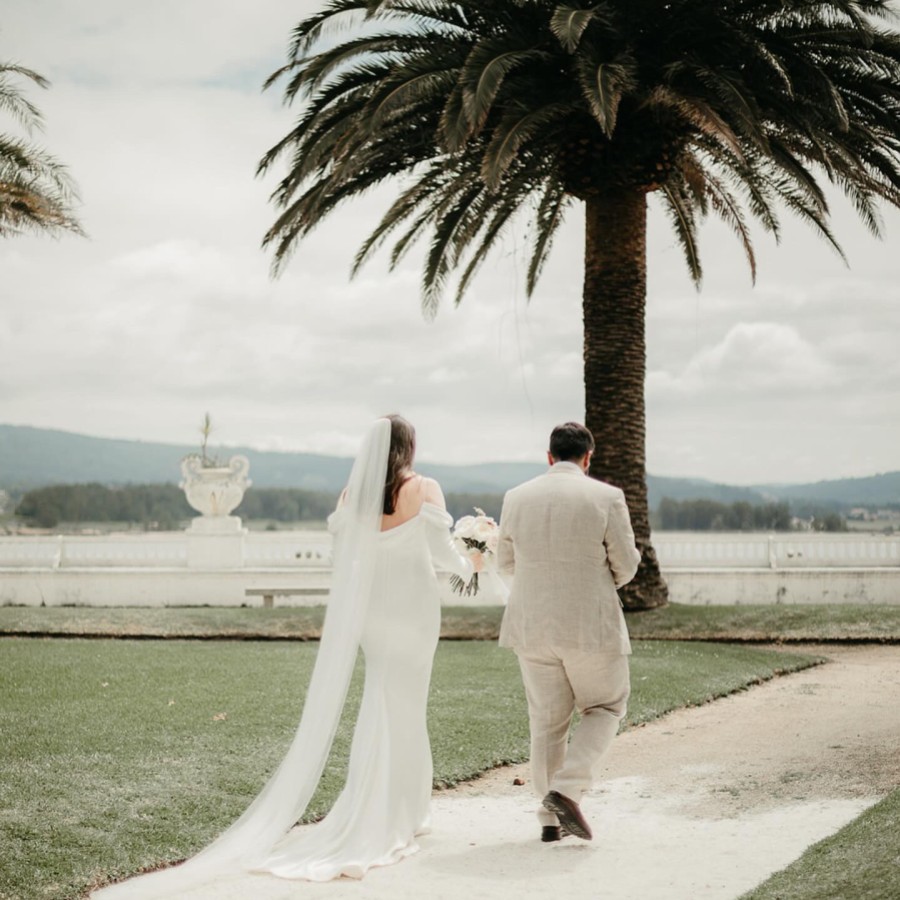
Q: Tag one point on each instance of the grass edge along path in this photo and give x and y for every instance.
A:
(814, 623)
(859, 862)
(116, 756)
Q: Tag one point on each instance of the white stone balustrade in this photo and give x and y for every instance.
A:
(196, 568)
(838, 550)
(704, 569)
(83, 552)
(676, 550)
(166, 549)
(270, 549)
(38, 552)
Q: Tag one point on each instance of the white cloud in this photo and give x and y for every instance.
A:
(760, 358)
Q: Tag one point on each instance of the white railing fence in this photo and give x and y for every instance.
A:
(689, 550)
(165, 549)
(263, 549)
(267, 549)
(194, 569)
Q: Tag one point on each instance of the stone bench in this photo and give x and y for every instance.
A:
(269, 594)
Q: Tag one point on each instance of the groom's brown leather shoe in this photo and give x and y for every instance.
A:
(551, 833)
(569, 814)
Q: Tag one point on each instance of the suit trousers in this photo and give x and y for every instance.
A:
(559, 681)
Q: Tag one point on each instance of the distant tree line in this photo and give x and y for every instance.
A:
(164, 507)
(711, 515)
(160, 506)
(287, 504)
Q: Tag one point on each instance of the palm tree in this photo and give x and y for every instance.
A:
(489, 109)
(36, 192)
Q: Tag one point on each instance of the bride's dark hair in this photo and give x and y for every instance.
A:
(400, 460)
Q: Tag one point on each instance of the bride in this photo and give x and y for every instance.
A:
(391, 530)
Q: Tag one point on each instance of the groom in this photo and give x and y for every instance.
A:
(566, 541)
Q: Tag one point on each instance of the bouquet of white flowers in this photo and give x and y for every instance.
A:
(479, 532)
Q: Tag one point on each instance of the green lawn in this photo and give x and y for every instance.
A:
(675, 622)
(860, 862)
(769, 623)
(116, 755)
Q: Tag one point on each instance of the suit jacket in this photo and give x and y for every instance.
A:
(567, 543)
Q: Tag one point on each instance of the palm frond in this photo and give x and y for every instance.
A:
(335, 16)
(442, 195)
(483, 73)
(510, 134)
(681, 215)
(568, 24)
(438, 261)
(728, 209)
(603, 85)
(410, 85)
(547, 219)
(312, 73)
(497, 217)
(398, 213)
(454, 129)
(698, 114)
(736, 104)
(16, 104)
(37, 192)
(866, 208)
(25, 72)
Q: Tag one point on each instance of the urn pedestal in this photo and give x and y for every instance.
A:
(215, 538)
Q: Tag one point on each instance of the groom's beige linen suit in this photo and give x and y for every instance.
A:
(566, 542)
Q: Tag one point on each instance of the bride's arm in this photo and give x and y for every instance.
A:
(334, 519)
(443, 551)
(433, 493)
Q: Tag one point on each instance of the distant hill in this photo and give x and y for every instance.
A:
(874, 490)
(659, 487)
(34, 457)
(845, 493)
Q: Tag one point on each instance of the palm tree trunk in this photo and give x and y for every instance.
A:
(615, 294)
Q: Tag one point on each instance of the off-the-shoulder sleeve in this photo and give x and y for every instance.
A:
(444, 554)
(335, 519)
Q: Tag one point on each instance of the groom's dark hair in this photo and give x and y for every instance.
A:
(570, 441)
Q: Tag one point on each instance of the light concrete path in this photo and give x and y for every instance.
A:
(704, 803)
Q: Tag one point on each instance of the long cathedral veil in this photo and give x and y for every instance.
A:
(246, 844)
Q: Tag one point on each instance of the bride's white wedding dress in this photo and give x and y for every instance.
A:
(385, 802)
(384, 598)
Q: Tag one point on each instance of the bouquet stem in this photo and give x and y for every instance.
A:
(464, 588)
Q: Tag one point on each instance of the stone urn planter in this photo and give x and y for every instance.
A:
(215, 491)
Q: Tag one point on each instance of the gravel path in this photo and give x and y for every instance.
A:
(704, 803)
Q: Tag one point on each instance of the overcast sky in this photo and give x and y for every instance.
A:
(168, 311)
